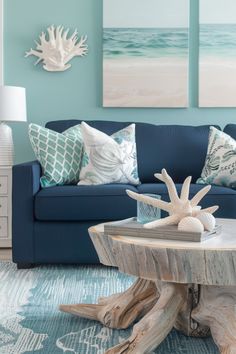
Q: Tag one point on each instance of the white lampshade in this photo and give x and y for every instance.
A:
(12, 104)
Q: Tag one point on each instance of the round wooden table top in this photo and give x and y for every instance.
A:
(212, 262)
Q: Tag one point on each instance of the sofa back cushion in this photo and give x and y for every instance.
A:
(180, 149)
(230, 129)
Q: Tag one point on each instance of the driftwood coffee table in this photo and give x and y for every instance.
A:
(189, 286)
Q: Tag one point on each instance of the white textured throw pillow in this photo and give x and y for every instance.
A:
(220, 164)
(109, 159)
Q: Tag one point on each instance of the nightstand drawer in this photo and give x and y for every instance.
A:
(3, 228)
(3, 184)
(3, 206)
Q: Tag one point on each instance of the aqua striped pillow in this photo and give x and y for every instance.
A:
(59, 154)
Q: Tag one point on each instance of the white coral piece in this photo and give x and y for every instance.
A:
(178, 207)
(58, 50)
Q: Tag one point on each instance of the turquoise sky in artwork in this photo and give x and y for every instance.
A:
(146, 13)
(217, 11)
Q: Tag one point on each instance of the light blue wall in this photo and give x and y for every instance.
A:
(77, 93)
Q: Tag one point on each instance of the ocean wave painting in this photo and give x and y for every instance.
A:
(145, 42)
(217, 66)
(145, 53)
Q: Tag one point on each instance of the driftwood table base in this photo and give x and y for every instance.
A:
(119, 310)
(217, 309)
(158, 306)
(155, 305)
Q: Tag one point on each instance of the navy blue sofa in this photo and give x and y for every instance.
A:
(50, 225)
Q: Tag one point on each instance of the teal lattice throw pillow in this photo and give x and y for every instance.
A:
(59, 154)
(109, 159)
(220, 164)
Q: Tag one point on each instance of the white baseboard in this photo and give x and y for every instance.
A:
(5, 254)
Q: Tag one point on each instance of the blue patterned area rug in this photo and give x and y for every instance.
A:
(31, 323)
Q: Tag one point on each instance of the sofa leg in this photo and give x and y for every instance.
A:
(25, 265)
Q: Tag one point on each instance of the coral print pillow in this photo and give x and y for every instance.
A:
(220, 164)
(109, 159)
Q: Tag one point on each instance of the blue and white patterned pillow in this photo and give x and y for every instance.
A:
(59, 154)
(220, 164)
(109, 159)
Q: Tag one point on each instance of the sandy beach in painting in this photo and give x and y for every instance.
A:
(140, 82)
(145, 67)
(217, 66)
(217, 84)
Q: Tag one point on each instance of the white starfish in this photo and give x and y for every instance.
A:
(178, 207)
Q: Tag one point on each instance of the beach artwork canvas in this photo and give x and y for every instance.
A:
(217, 65)
(145, 53)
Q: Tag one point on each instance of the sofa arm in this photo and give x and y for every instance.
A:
(26, 183)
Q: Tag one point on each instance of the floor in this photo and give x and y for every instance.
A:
(5, 254)
(30, 320)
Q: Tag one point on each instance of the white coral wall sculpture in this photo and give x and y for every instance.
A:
(58, 49)
(179, 207)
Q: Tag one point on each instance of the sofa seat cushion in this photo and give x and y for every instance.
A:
(110, 202)
(222, 196)
(82, 203)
